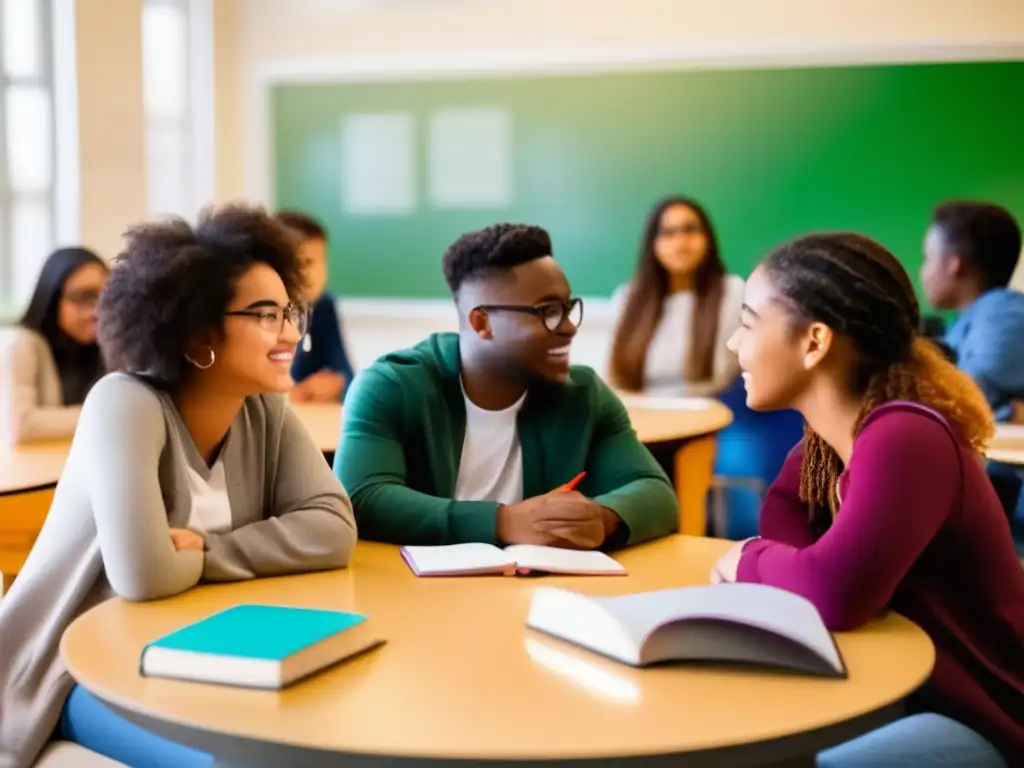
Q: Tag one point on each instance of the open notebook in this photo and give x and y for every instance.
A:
(483, 559)
(739, 623)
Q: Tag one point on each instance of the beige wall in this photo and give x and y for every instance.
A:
(111, 159)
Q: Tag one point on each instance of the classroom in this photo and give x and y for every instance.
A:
(438, 382)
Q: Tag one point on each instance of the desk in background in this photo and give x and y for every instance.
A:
(1008, 444)
(28, 476)
(462, 678)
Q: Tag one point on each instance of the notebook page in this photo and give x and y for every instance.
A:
(457, 557)
(775, 610)
(556, 559)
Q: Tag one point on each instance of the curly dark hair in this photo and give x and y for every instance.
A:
(174, 281)
(492, 250)
(861, 291)
(305, 225)
(985, 235)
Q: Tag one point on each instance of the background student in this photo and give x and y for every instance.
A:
(51, 358)
(675, 315)
(187, 466)
(885, 504)
(971, 252)
(321, 370)
(464, 437)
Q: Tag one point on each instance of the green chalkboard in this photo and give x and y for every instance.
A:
(771, 153)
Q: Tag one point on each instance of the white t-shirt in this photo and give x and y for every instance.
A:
(491, 467)
(211, 508)
(669, 352)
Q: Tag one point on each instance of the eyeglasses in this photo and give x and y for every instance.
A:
(85, 299)
(272, 318)
(551, 313)
(691, 228)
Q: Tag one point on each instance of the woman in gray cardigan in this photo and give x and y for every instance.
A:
(187, 466)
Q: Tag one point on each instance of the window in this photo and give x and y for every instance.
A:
(177, 75)
(27, 148)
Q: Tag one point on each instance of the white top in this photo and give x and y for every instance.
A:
(669, 350)
(211, 509)
(491, 467)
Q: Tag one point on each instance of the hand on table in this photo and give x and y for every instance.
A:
(322, 387)
(727, 566)
(182, 539)
(559, 518)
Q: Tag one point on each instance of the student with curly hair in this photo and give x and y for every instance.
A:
(187, 466)
(885, 504)
(51, 358)
(464, 437)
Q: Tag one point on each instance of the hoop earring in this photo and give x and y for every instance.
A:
(213, 358)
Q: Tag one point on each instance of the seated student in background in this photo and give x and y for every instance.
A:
(321, 370)
(971, 252)
(675, 315)
(464, 437)
(187, 466)
(885, 504)
(51, 358)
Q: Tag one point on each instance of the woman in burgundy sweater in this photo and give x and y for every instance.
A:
(885, 504)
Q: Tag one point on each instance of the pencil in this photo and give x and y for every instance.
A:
(571, 485)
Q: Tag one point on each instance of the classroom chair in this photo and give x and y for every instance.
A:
(751, 451)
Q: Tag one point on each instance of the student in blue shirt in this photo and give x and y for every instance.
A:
(321, 369)
(971, 252)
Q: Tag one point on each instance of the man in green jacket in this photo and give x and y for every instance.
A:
(470, 437)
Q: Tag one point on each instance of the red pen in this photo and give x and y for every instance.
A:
(571, 485)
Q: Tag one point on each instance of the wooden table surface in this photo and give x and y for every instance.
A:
(462, 677)
(1008, 444)
(30, 467)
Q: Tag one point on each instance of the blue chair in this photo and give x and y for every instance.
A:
(751, 451)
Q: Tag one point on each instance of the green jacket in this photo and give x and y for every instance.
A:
(401, 443)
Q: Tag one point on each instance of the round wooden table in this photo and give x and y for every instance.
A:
(688, 425)
(462, 678)
(1007, 446)
(28, 475)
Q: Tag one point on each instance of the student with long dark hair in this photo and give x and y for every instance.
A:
(677, 312)
(51, 358)
(885, 505)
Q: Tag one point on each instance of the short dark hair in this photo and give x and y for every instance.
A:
(308, 227)
(985, 235)
(174, 281)
(492, 250)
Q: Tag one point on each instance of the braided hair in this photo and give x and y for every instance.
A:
(858, 289)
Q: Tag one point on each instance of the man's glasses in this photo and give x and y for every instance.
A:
(551, 313)
(272, 318)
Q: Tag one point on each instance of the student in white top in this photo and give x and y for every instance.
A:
(674, 317)
(187, 466)
(50, 359)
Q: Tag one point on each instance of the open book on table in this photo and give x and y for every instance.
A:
(736, 623)
(482, 559)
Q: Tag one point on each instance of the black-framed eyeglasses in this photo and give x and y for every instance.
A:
(86, 299)
(272, 318)
(551, 313)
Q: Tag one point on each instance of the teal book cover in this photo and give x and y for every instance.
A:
(259, 632)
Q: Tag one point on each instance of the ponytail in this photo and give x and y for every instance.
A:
(925, 377)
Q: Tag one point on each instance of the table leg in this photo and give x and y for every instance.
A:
(694, 468)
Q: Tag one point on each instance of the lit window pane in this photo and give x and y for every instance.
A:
(166, 170)
(164, 60)
(22, 41)
(29, 139)
(31, 243)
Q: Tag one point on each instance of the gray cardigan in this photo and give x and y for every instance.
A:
(124, 486)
